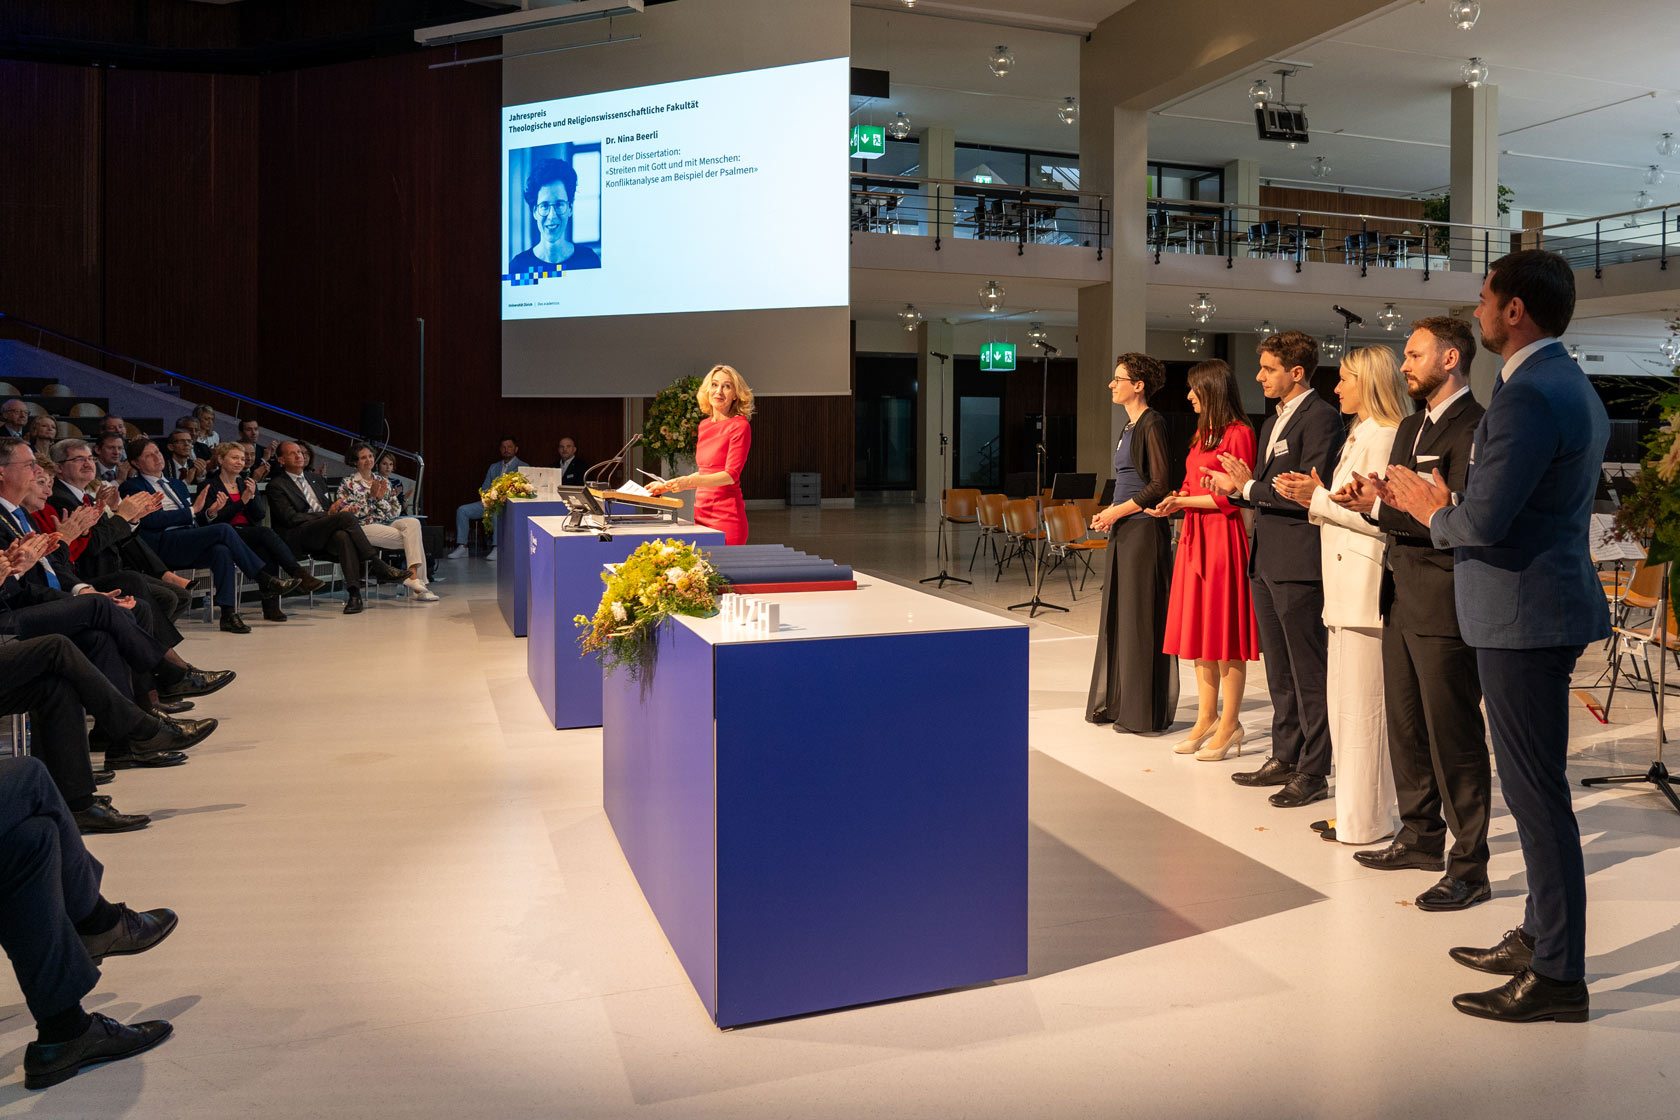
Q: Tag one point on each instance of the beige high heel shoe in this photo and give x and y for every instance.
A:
(1217, 754)
(1193, 743)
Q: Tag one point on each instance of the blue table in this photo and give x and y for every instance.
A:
(834, 814)
(565, 581)
(513, 562)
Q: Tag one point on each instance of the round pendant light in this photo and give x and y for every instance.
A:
(1654, 176)
(899, 127)
(1329, 348)
(1194, 340)
(1474, 73)
(1260, 92)
(910, 317)
(991, 296)
(1320, 167)
(1265, 330)
(1068, 111)
(1464, 14)
(1203, 309)
(1666, 146)
(1002, 61)
(1390, 318)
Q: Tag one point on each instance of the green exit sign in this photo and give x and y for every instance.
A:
(869, 141)
(997, 356)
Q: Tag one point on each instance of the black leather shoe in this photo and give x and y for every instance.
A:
(1328, 834)
(1301, 789)
(273, 587)
(1453, 894)
(133, 933)
(308, 583)
(353, 605)
(1271, 773)
(101, 777)
(172, 735)
(272, 612)
(1398, 857)
(171, 707)
(1322, 826)
(1511, 956)
(129, 761)
(197, 682)
(101, 817)
(106, 1040)
(1526, 998)
(384, 573)
(233, 624)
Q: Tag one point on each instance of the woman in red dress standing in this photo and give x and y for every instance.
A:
(1210, 615)
(720, 455)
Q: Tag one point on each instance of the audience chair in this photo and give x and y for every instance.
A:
(86, 409)
(989, 511)
(1087, 508)
(1066, 530)
(57, 390)
(1021, 534)
(18, 732)
(1643, 638)
(34, 409)
(9, 390)
(133, 429)
(957, 507)
(67, 430)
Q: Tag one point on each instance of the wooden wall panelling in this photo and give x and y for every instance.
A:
(51, 208)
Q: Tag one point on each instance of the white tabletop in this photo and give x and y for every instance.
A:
(877, 607)
(552, 525)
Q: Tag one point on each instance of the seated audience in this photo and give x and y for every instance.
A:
(368, 496)
(184, 538)
(474, 511)
(43, 433)
(205, 417)
(56, 927)
(113, 543)
(184, 460)
(309, 525)
(113, 423)
(16, 416)
(110, 450)
(257, 462)
(387, 467)
(568, 462)
(242, 507)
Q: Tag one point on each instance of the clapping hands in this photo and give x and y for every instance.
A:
(1298, 487)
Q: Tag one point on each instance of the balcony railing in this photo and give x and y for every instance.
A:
(1632, 235)
(941, 208)
(1368, 241)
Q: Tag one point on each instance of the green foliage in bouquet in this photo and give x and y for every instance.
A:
(506, 488)
(1651, 514)
(673, 420)
(660, 579)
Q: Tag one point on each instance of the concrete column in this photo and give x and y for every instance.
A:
(1242, 187)
(1475, 174)
(936, 405)
(937, 151)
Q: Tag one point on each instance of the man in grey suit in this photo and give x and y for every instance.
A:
(1529, 602)
(1304, 435)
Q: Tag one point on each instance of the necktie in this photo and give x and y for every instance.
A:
(23, 520)
(1423, 430)
(309, 496)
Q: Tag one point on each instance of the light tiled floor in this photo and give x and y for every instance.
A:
(399, 897)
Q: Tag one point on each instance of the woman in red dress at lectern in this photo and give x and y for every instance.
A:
(720, 455)
(1210, 614)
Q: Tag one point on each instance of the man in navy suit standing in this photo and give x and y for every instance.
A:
(1529, 602)
(1303, 435)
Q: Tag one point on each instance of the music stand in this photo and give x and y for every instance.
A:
(1658, 774)
(1037, 603)
(1073, 486)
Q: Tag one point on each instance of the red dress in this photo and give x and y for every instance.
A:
(1210, 614)
(723, 446)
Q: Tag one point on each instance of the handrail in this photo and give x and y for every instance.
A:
(970, 183)
(136, 363)
(1329, 214)
(1601, 218)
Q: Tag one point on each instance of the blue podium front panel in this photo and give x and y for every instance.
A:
(513, 559)
(565, 581)
(832, 820)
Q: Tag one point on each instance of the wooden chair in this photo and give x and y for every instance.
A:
(67, 430)
(9, 390)
(86, 409)
(989, 512)
(1087, 508)
(1066, 531)
(956, 507)
(1643, 639)
(57, 390)
(1021, 534)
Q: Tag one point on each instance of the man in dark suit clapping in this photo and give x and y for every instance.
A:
(310, 525)
(1432, 691)
(1303, 435)
(1529, 602)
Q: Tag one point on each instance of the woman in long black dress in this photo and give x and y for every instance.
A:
(1134, 685)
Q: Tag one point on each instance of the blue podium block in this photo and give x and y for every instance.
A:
(513, 559)
(833, 815)
(565, 581)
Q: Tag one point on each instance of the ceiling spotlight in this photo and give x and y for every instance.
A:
(1194, 340)
(1390, 318)
(899, 127)
(991, 296)
(1320, 168)
(1265, 329)
(1260, 92)
(1653, 176)
(1202, 310)
(1068, 111)
(1329, 348)
(1474, 73)
(910, 317)
(1666, 146)
(1001, 61)
(1464, 14)
(1037, 333)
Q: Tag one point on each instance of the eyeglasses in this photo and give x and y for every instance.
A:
(551, 207)
(77, 459)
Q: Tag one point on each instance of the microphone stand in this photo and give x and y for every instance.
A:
(594, 479)
(944, 549)
(1037, 603)
(1658, 774)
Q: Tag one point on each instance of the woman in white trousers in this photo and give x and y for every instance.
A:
(1373, 391)
(370, 498)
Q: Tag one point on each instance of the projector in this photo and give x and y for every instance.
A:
(1278, 121)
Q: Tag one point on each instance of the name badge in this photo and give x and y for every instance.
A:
(1282, 447)
(1422, 459)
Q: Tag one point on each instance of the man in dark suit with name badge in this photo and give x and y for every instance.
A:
(1303, 435)
(1432, 691)
(1529, 602)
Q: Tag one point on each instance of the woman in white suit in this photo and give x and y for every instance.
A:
(1372, 390)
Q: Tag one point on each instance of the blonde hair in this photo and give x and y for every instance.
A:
(1382, 387)
(743, 392)
(224, 449)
